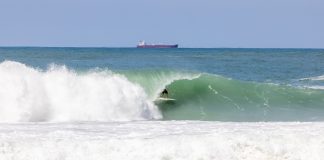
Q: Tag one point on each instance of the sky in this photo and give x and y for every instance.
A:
(189, 23)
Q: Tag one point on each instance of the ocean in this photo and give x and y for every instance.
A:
(102, 103)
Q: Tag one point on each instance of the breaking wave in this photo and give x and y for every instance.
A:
(212, 97)
(59, 94)
(317, 78)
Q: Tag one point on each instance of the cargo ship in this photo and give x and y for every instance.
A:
(142, 44)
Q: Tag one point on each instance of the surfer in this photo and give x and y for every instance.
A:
(164, 93)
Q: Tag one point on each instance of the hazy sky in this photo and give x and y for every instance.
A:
(190, 23)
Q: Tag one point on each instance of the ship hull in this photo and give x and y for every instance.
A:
(157, 46)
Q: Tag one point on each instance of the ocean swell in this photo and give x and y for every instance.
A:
(216, 98)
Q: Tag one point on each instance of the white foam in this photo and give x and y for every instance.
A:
(156, 140)
(317, 78)
(60, 94)
(316, 87)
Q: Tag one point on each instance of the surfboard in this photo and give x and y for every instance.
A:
(165, 99)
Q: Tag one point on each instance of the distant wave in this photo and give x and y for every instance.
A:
(315, 87)
(315, 82)
(317, 78)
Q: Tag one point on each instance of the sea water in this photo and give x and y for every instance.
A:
(100, 103)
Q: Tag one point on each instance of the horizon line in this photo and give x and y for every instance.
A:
(22, 46)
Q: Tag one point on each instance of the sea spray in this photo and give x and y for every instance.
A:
(60, 94)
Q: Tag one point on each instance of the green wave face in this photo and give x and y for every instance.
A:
(217, 98)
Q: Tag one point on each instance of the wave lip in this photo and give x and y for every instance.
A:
(60, 94)
(155, 81)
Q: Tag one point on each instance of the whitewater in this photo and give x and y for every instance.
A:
(162, 140)
(58, 94)
(100, 103)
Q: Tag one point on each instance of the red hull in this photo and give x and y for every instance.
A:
(157, 46)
